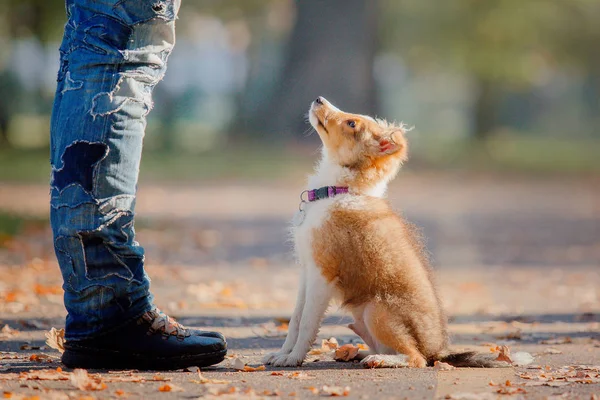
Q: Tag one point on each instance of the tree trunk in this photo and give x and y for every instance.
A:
(330, 53)
(485, 113)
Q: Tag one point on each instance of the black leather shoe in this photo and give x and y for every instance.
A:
(153, 342)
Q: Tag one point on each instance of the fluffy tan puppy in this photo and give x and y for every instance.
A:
(352, 246)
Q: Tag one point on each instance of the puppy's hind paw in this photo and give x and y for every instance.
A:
(385, 361)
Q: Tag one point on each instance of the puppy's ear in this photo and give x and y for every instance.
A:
(392, 141)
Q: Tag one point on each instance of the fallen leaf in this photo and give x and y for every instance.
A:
(239, 365)
(165, 388)
(276, 373)
(158, 378)
(557, 340)
(300, 376)
(40, 358)
(521, 358)
(327, 345)
(504, 354)
(331, 343)
(120, 392)
(552, 350)
(8, 355)
(511, 390)
(347, 352)
(7, 332)
(83, 381)
(44, 375)
(219, 392)
(313, 389)
(334, 391)
(169, 387)
(442, 366)
(248, 368)
(203, 381)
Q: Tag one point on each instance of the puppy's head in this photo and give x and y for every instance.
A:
(357, 141)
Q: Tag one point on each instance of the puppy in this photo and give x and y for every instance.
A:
(353, 247)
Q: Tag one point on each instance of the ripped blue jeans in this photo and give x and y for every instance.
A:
(112, 55)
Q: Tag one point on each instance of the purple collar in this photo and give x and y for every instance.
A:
(325, 192)
(314, 195)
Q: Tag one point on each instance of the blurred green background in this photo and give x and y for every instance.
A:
(505, 85)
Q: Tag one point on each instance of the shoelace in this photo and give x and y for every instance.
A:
(163, 324)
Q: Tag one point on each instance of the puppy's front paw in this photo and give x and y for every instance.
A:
(288, 360)
(269, 358)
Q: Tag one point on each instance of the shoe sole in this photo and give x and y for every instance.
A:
(116, 360)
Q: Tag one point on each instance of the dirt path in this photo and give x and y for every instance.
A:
(517, 262)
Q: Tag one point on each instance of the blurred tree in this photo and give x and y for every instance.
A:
(330, 52)
(575, 45)
(41, 20)
(502, 45)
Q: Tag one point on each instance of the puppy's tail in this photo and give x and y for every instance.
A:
(472, 359)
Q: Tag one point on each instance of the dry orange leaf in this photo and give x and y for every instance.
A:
(239, 365)
(40, 358)
(327, 345)
(55, 338)
(504, 354)
(442, 366)
(248, 368)
(120, 392)
(83, 381)
(335, 391)
(170, 388)
(313, 389)
(300, 376)
(218, 392)
(44, 375)
(347, 352)
(7, 332)
(202, 380)
(165, 388)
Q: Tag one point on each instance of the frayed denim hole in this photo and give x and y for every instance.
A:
(67, 266)
(135, 12)
(78, 161)
(100, 261)
(131, 88)
(110, 251)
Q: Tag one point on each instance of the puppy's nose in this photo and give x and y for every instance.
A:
(319, 100)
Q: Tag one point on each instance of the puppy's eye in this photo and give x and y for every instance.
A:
(351, 124)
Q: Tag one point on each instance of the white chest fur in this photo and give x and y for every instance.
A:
(315, 214)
